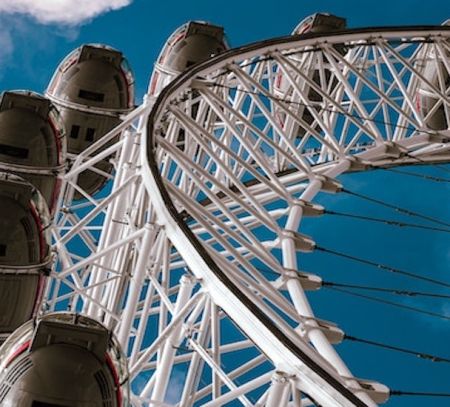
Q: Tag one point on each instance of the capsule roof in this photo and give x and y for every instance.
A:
(320, 23)
(77, 355)
(32, 141)
(31, 133)
(71, 328)
(93, 76)
(191, 43)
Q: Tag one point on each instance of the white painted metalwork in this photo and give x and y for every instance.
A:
(193, 252)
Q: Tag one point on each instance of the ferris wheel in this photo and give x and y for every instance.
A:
(192, 250)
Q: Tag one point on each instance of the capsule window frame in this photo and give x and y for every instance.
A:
(90, 134)
(74, 131)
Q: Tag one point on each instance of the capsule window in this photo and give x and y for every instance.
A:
(93, 96)
(12, 151)
(74, 131)
(181, 139)
(45, 404)
(90, 132)
(2, 250)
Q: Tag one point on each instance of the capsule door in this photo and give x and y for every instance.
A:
(92, 88)
(62, 359)
(24, 252)
(32, 142)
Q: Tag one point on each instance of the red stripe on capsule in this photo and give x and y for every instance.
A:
(115, 375)
(42, 245)
(21, 349)
(57, 186)
(39, 293)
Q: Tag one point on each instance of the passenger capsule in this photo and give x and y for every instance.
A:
(315, 24)
(24, 252)
(320, 23)
(61, 360)
(92, 88)
(32, 142)
(193, 42)
(430, 104)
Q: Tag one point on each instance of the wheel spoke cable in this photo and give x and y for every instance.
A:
(421, 355)
(413, 174)
(417, 393)
(390, 222)
(394, 207)
(395, 291)
(391, 303)
(438, 166)
(383, 267)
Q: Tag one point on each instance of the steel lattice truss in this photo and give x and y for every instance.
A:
(193, 254)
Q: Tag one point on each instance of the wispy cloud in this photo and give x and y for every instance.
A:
(6, 44)
(29, 28)
(175, 388)
(66, 12)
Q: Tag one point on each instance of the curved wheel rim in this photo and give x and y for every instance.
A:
(295, 175)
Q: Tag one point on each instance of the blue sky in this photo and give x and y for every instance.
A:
(29, 57)
(30, 51)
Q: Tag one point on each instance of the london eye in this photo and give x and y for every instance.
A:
(185, 264)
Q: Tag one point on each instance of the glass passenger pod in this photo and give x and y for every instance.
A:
(96, 78)
(24, 251)
(32, 141)
(193, 42)
(63, 359)
(435, 70)
(313, 24)
(92, 87)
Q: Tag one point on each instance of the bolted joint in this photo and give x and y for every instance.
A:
(303, 243)
(331, 331)
(382, 150)
(356, 164)
(328, 184)
(188, 279)
(443, 136)
(309, 209)
(425, 137)
(392, 150)
(278, 394)
(66, 210)
(378, 392)
(280, 377)
(308, 281)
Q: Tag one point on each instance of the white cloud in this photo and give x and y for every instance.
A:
(6, 44)
(176, 386)
(66, 12)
